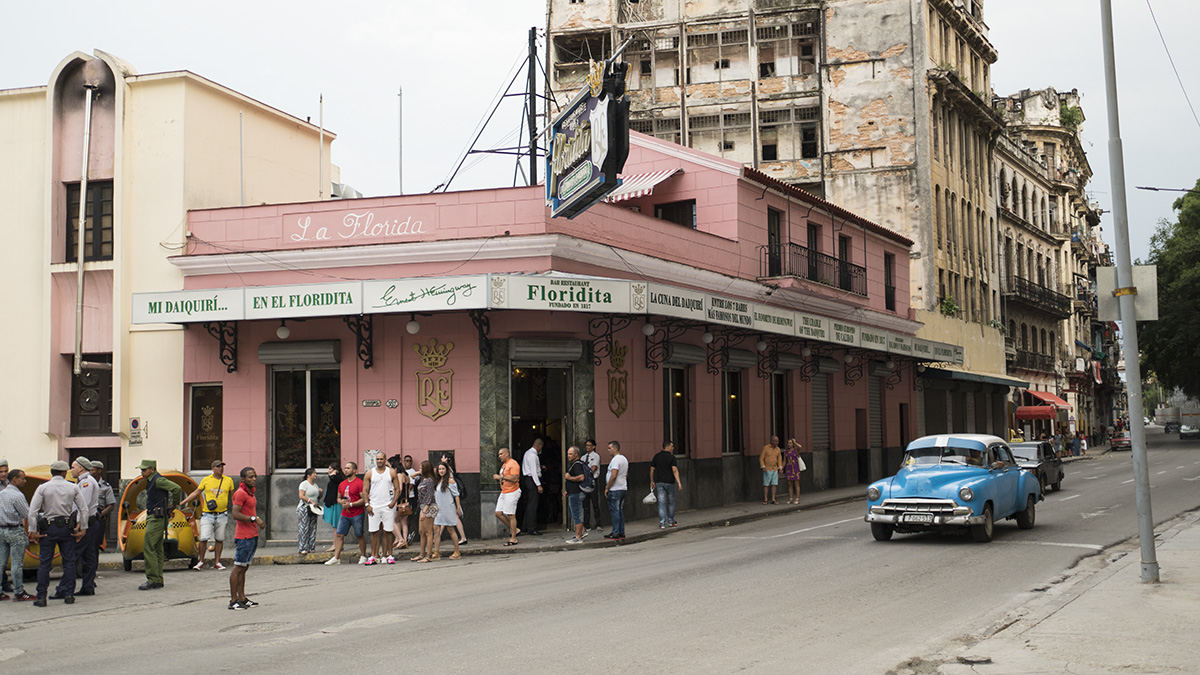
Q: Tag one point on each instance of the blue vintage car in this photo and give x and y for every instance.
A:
(953, 481)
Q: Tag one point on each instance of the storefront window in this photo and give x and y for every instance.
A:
(731, 411)
(675, 408)
(206, 430)
(306, 409)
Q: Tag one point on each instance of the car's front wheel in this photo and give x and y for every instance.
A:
(1057, 485)
(982, 533)
(881, 532)
(1026, 518)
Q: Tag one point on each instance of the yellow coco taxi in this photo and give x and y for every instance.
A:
(182, 530)
(35, 476)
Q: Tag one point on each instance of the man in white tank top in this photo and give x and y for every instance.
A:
(383, 489)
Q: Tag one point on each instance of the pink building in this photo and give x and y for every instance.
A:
(704, 303)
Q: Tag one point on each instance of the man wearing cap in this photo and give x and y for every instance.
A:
(159, 492)
(108, 500)
(53, 521)
(214, 516)
(87, 551)
(14, 517)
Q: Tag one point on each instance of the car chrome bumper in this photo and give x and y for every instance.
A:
(960, 517)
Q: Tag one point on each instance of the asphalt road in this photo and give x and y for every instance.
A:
(808, 591)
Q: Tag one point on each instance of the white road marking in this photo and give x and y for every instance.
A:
(1102, 511)
(1124, 482)
(1178, 467)
(807, 529)
(1066, 498)
(1090, 547)
(1160, 473)
(1191, 479)
(1085, 477)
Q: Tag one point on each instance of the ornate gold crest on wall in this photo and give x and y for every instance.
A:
(435, 394)
(618, 379)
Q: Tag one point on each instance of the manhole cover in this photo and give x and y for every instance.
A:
(264, 627)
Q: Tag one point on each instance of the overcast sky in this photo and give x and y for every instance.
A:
(453, 58)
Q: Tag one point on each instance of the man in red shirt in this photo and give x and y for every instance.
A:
(350, 496)
(245, 537)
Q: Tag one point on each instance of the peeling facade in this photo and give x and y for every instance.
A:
(880, 106)
(1050, 247)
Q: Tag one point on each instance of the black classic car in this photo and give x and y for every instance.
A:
(1040, 458)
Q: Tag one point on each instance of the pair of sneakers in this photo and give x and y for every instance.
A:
(242, 604)
(216, 565)
(381, 560)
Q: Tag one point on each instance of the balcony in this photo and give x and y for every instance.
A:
(1038, 297)
(1041, 363)
(792, 260)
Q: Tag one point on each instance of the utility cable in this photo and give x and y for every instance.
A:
(1172, 61)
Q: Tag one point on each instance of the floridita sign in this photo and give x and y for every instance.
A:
(544, 292)
(387, 223)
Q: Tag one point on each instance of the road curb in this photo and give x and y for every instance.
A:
(712, 523)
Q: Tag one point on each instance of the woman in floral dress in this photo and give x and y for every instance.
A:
(792, 466)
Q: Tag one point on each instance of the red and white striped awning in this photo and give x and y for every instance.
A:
(639, 185)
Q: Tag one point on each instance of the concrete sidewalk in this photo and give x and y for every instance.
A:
(1101, 619)
(636, 531)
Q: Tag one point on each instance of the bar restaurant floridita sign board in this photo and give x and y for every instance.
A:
(589, 141)
(533, 292)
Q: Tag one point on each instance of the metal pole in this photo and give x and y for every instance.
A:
(400, 136)
(241, 163)
(321, 147)
(532, 110)
(90, 90)
(1125, 300)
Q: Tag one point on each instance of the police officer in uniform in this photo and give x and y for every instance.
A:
(87, 551)
(52, 523)
(160, 494)
(107, 501)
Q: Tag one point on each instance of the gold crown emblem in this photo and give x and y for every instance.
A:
(206, 411)
(595, 77)
(617, 356)
(434, 355)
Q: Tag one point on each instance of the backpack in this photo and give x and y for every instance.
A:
(589, 481)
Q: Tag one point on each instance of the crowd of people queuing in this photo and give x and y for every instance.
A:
(71, 517)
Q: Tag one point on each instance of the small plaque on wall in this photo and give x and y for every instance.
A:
(393, 403)
(371, 403)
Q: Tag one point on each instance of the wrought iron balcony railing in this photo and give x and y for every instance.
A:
(1039, 297)
(1034, 361)
(793, 260)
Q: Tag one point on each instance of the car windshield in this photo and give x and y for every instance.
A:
(943, 455)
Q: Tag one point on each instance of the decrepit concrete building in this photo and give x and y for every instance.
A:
(881, 106)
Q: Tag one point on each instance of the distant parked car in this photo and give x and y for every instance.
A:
(1171, 428)
(1040, 458)
(1122, 441)
(1189, 431)
(953, 482)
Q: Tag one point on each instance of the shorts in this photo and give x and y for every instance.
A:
(575, 507)
(347, 522)
(384, 517)
(770, 478)
(213, 526)
(244, 550)
(506, 503)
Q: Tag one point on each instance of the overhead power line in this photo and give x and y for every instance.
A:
(1172, 61)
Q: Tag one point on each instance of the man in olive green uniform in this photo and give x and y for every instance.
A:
(160, 494)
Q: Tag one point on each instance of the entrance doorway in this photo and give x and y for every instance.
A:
(541, 408)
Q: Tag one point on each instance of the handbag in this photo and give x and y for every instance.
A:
(650, 498)
(803, 466)
(403, 508)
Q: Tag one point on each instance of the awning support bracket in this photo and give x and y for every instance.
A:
(363, 327)
(602, 329)
(483, 325)
(225, 333)
(658, 341)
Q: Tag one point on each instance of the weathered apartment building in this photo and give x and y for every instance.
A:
(1049, 250)
(880, 106)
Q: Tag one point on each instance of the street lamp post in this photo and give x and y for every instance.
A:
(1125, 293)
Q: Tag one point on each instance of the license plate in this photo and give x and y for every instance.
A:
(917, 518)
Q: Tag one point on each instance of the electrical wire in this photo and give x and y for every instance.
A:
(1172, 61)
